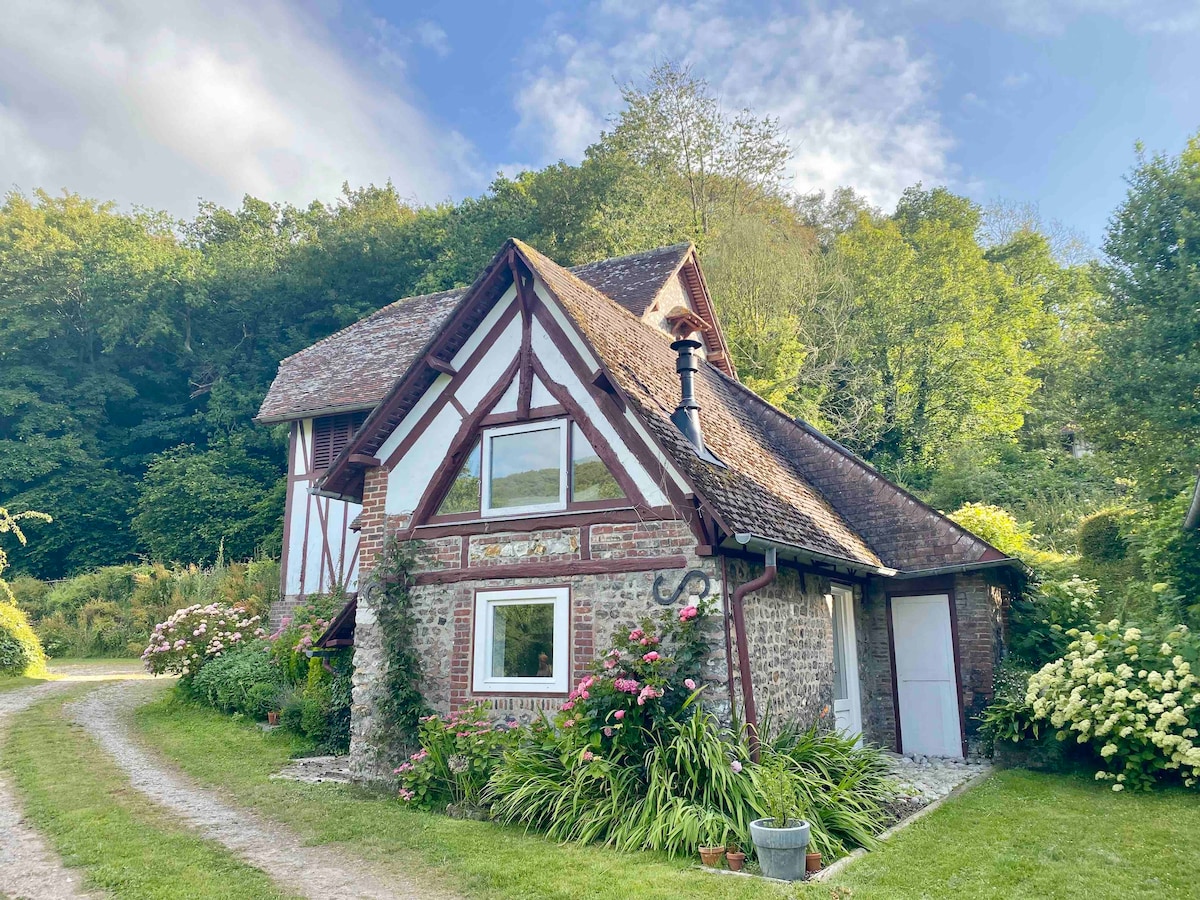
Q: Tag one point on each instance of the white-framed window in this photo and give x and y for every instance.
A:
(524, 468)
(522, 641)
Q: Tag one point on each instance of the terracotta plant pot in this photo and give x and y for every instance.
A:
(812, 862)
(735, 860)
(711, 856)
(273, 718)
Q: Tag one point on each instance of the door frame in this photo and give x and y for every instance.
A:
(849, 647)
(924, 588)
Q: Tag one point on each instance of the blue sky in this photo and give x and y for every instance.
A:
(162, 102)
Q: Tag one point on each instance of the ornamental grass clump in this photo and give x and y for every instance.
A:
(1131, 695)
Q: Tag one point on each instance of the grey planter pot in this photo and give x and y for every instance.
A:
(780, 850)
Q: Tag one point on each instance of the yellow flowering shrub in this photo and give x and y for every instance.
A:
(1132, 696)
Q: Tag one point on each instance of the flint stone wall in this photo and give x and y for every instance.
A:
(600, 605)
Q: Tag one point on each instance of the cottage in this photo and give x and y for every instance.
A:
(572, 448)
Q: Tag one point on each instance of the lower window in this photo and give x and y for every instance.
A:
(521, 641)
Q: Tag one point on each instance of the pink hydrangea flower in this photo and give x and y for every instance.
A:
(736, 766)
(651, 656)
(610, 663)
(689, 684)
(588, 755)
(608, 731)
(570, 704)
(626, 685)
(406, 795)
(637, 634)
(648, 693)
(570, 723)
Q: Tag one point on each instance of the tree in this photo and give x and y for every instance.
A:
(192, 504)
(1146, 379)
(787, 313)
(944, 333)
(673, 128)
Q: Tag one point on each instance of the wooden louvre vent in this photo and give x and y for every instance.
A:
(331, 434)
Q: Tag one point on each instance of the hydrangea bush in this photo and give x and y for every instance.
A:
(456, 759)
(1132, 696)
(648, 676)
(192, 636)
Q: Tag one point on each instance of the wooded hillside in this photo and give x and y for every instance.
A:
(963, 350)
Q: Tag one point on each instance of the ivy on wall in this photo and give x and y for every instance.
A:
(401, 705)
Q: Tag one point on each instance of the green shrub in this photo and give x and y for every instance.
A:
(1130, 695)
(1101, 536)
(240, 680)
(995, 525)
(1040, 619)
(457, 757)
(20, 651)
(681, 779)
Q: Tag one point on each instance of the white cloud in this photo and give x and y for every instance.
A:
(433, 36)
(858, 106)
(1052, 17)
(158, 103)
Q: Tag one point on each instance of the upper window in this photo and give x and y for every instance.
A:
(521, 640)
(331, 434)
(532, 467)
(524, 468)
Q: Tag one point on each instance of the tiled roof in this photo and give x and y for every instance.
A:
(354, 368)
(783, 480)
(634, 281)
(759, 490)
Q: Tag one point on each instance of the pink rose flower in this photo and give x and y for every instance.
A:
(619, 715)
(610, 663)
(651, 656)
(608, 732)
(570, 704)
(636, 635)
(570, 723)
(689, 684)
(736, 766)
(688, 613)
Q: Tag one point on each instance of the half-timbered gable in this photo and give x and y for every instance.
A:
(570, 449)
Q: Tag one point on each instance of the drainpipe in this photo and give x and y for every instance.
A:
(743, 650)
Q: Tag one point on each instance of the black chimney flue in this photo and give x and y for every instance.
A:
(687, 415)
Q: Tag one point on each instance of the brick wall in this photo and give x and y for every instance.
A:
(980, 609)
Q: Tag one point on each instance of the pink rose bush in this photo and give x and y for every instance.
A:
(192, 636)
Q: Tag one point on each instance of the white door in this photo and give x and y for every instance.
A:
(925, 684)
(847, 703)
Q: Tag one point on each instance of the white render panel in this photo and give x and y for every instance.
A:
(560, 371)
(484, 376)
(569, 329)
(508, 403)
(414, 416)
(321, 550)
(489, 322)
(539, 396)
(413, 472)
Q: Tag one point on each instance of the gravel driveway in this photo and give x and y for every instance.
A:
(29, 869)
(317, 872)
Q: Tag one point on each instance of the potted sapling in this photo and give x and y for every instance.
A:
(781, 837)
(714, 828)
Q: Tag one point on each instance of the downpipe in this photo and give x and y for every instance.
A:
(743, 649)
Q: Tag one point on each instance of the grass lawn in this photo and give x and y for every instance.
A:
(78, 798)
(478, 858)
(1026, 834)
